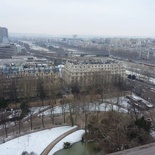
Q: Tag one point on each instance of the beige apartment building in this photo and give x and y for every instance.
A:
(82, 72)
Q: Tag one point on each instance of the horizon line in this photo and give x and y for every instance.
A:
(79, 35)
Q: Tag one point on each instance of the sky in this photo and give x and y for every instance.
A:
(81, 17)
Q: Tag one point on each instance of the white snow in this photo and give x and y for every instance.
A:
(33, 110)
(144, 101)
(35, 142)
(152, 80)
(93, 107)
(37, 109)
(56, 110)
(122, 101)
(34, 47)
(153, 134)
(141, 76)
(72, 138)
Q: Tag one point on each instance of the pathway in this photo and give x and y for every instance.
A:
(13, 130)
(53, 143)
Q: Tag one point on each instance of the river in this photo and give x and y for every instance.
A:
(80, 148)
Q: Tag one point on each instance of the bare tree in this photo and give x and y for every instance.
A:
(13, 89)
(116, 131)
(41, 90)
(64, 107)
(84, 109)
(5, 123)
(53, 89)
(41, 93)
(69, 106)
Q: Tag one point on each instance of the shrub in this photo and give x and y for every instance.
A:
(67, 145)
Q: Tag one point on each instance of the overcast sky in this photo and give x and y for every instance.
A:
(82, 17)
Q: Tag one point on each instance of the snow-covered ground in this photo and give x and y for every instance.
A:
(33, 110)
(122, 101)
(141, 76)
(144, 101)
(56, 110)
(118, 104)
(37, 109)
(72, 138)
(34, 47)
(92, 106)
(37, 142)
(34, 142)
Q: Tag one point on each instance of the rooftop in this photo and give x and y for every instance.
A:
(92, 61)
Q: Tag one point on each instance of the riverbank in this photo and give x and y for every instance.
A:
(72, 138)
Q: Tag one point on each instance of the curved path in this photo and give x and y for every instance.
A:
(11, 128)
(54, 142)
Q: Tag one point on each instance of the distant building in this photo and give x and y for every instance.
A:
(75, 36)
(82, 72)
(7, 50)
(3, 35)
(148, 54)
(24, 66)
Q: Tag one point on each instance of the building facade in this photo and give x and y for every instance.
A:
(3, 35)
(83, 72)
(7, 50)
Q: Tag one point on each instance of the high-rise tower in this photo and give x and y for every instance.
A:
(3, 35)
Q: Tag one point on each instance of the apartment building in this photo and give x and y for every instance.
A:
(24, 84)
(82, 72)
(7, 50)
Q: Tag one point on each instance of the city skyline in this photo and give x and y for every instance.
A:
(82, 17)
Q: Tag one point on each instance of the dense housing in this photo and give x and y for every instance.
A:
(83, 71)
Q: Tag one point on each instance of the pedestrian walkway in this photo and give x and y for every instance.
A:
(53, 143)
